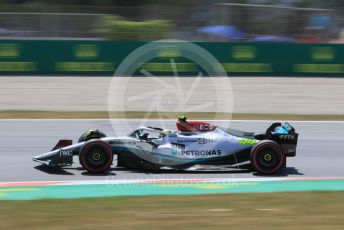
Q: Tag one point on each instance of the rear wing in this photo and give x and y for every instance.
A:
(285, 135)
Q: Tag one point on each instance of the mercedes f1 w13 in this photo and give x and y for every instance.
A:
(196, 145)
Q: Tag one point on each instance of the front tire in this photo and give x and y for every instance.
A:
(267, 157)
(96, 156)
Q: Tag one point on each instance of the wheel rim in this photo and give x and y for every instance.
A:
(97, 156)
(268, 158)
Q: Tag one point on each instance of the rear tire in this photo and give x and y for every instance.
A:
(96, 156)
(267, 157)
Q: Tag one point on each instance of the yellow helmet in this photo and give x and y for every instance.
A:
(182, 117)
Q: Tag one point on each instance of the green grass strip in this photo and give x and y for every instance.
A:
(268, 211)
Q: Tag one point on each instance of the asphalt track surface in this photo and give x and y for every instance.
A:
(291, 95)
(320, 151)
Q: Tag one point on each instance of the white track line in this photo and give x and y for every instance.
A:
(113, 181)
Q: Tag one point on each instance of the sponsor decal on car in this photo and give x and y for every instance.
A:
(118, 142)
(187, 140)
(204, 127)
(286, 137)
(204, 141)
(202, 152)
(178, 146)
(65, 153)
(246, 141)
(174, 151)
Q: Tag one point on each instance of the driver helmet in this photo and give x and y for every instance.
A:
(182, 118)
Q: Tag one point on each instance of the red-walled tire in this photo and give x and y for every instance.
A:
(267, 157)
(96, 156)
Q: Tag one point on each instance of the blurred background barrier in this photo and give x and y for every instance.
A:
(248, 37)
(254, 20)
(82, 57)
(116, 28)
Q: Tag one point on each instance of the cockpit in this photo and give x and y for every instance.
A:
(147, 133)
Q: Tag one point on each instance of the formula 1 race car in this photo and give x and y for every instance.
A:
(197, 145)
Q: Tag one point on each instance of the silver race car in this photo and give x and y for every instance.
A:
(196, 145)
